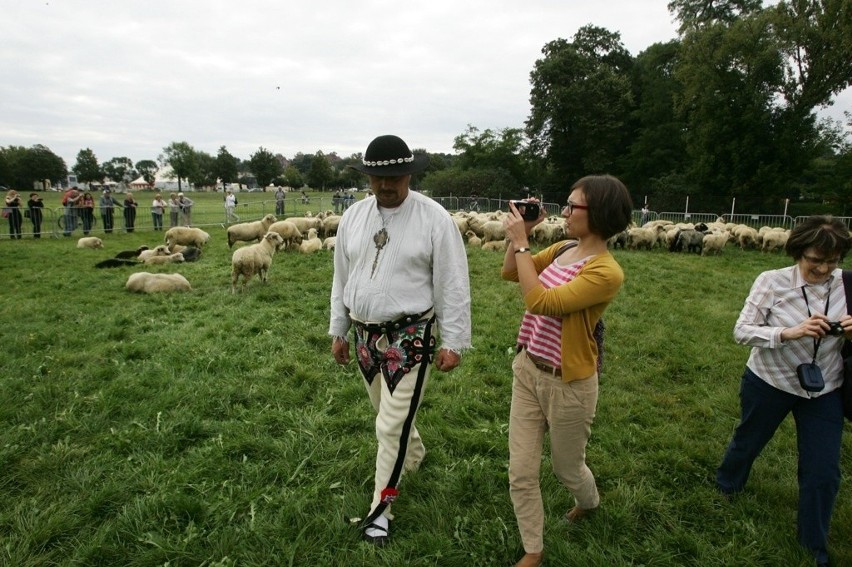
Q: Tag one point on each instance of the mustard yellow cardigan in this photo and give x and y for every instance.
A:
(580, 303)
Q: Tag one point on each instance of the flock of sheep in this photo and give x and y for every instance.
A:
(184, 244)
(311, 233)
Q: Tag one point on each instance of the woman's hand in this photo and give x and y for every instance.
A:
(517, 229)
(814, 326)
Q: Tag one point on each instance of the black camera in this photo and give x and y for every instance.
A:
(529, 210)
(810, 377)
(835, 329)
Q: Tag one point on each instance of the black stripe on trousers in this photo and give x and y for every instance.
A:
(393, 481)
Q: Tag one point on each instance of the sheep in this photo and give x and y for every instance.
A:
(311, 244)
(305, 223)
(745, 235)
(472, 239)
(177, 257)
(250, 231)
(548, 232)
(289, 232)
(254, 259)
(461, 222)
(715, 242)
(129, 254)
(161, 250)
(329, 243)
(146, 282)
(641, 238)
(493, 230)
(90, 242)
(330, 224)
(775, 239)
(688, 240)
(495, 245)
(619, 239)
(186, 235)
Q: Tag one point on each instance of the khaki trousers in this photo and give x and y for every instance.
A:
(542, 402)
(393, 410)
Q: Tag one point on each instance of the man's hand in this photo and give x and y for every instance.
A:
(446, 360)
(340, 351)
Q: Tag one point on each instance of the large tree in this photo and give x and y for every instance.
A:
(204, 172)
(120, 169)
(227, 166)
(148, 169)
(20, 167)
(580, 103)
(181, 157)
(491, 149)
(320, 175)
(265, 166)
(87, 168)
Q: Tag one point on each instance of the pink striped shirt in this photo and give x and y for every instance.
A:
(541, 335)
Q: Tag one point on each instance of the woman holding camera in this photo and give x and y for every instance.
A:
(795, 320)
(566, 288)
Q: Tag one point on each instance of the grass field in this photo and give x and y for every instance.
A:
(214, 429)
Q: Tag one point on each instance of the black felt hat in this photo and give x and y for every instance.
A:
(389, 156)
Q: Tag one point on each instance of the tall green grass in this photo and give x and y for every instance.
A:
(213, 429)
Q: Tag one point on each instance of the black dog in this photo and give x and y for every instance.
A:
(117, 263)
(131, 253)
(191, 253)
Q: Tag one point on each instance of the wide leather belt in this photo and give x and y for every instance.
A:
(543, 366)
(389, 326)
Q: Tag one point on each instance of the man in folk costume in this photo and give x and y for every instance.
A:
(400, 279)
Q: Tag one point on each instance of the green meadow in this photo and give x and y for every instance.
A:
(211, 429)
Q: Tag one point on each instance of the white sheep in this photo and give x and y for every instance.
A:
(548, 232)
(90, 242)
(329, 243)
(187, 236)
(775, 239)
(305, 223)
(493, 230)
(254, 259)
(330, 224)
(495, 245)
(145, 282)
(745, 235)
(161, 250)
(250, 231)
(473, 240)
(641, 238)
(175, 258)
(715, 242)
(288, 231)
(311, 244)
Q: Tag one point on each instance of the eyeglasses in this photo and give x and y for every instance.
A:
(571, 206)
(813, 261)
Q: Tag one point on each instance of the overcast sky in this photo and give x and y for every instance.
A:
(128, 77)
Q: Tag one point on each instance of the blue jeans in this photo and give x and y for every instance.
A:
(819, 427)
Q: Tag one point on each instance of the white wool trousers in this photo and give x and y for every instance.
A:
(400, 447)
(542, 402)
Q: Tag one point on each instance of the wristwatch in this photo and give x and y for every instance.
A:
(521, 250)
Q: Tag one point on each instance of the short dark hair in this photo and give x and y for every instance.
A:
(822, 232)
(609, 202)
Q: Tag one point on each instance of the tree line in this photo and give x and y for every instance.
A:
(725, 111)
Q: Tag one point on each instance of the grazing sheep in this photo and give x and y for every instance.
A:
(619, 239)
(117, 262)
(311, 244)
(745, 236)
(548, 232)
(306, 223)
(146, 282)
(775, 239)
(187, 236)
(330, 224)
(161, 250)
(254, 259)
(495, 245)
(249, 231)
(461, 222)
(90, 242)
(715, 242)
(493, 230)
(128, 254)
(472, 239)
(641, 238)
(177, 257)
(329, 243)
(688, 240)
(289, 232)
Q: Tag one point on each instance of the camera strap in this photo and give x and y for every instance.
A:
(818, 341)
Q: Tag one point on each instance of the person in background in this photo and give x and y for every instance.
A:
(565, 288)
(129, 212)
(400, 269)
(186, 208)
(86, 206)
(230, 205)
(13, 212)
(35, 206)
(174, 210)
(793, 316)
(279, 202)
(158, 207)
(107, 206)
(645, 212)
(69, 202)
